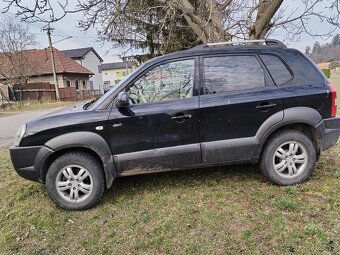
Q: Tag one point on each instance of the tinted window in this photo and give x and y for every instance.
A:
(277, 69)
(230, 73)
(169, 81)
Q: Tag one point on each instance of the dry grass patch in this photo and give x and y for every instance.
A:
(34, 105)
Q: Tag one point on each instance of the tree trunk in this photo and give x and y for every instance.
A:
(208, 30)
(265, 12)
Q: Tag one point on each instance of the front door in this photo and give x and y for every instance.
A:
(239, 97)
(159, 130)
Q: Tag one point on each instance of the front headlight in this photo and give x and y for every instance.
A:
(20, 133)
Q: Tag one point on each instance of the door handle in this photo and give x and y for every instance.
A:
(181, 117)
(265, 106)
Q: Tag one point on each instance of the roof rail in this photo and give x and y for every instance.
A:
(252, 43)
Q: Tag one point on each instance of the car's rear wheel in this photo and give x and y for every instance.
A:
(288, 158)
(75, 181)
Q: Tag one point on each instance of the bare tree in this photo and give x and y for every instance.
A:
(15, 66)
(167, 25)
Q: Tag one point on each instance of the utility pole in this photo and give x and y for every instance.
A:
(48, 31)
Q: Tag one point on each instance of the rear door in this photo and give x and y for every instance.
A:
(159, 130)
(238, 97)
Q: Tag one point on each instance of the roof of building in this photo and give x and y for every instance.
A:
(116, 65)
(80, 53)
(39, 62)
(323, 65)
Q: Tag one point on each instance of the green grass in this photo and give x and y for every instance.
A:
(227, 210)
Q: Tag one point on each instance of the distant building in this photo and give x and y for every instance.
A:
(70, 74)
(3, 93)
(323, 65)
(113, 73)
(91, 60)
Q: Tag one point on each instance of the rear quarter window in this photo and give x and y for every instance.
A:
(305, 72)
(277, 69)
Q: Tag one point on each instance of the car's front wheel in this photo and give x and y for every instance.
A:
(288, 158)
(75, 181)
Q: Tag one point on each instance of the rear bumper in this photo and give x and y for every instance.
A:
(28, 161)
(330, 132)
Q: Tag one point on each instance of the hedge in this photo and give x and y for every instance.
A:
(327, 72)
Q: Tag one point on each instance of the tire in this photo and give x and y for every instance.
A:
(75, 181)
(288, 158)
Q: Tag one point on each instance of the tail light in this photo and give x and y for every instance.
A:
(333, 97)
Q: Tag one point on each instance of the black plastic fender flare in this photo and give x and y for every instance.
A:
(91, 141)
(304, 115)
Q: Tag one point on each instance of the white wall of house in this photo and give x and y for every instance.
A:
(112, 77)
(48, 78)
(91, 62)
(64, 80)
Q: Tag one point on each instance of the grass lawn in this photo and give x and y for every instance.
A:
(34, 105)
(227, 210)
(5, 114)
(335, 80)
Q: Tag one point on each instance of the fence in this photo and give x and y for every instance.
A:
(44, 91)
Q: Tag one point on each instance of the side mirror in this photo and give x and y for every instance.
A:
(122, 100)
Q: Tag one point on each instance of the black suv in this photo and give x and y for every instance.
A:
(215, 104)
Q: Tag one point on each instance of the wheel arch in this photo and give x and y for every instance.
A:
(87, 142)
(303, 119)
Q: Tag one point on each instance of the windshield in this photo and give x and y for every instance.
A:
(112, 90)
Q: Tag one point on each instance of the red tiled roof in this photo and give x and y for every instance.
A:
(40, 62)
(323, 65)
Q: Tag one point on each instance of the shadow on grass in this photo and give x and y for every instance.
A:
(127, 188)
(202, 177)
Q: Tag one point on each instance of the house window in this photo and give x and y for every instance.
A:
(119, 74)
(68, 84)
(84, 84)
(77, 85)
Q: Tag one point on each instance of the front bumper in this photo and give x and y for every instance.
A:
(28, 161)
(330, 132)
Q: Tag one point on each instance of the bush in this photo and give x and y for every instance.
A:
(334, 65)
(327, 72)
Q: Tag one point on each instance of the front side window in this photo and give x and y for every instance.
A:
(232, 73)
(170, 81)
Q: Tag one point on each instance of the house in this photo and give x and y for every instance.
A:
(323, 65)
(38, 69)
(113, 73)
(90, 59)
(3, 93)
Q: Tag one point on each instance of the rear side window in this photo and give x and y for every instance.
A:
(277, 69)
(231, 73)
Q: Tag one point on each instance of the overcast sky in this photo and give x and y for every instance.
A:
(68, 27)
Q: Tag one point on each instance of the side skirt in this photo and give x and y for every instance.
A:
(151, 171)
